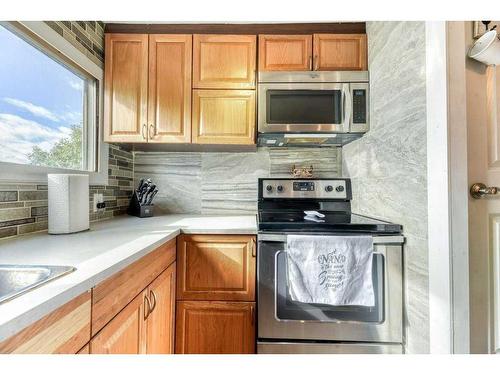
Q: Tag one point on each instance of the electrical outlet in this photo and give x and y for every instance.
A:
(98, 202)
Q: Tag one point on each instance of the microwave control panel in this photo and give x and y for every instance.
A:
(359, 106)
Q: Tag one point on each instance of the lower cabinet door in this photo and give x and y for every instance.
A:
(160, 323)
(125, 333)
(215, 327)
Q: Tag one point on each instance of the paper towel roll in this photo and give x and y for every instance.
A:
(68, 203)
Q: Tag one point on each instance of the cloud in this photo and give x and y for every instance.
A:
(77, 85)
(33, 108)
(20, 135)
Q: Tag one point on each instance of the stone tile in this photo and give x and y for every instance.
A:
(11, 205)
(39, 211)
(33, 227)
(11, 223)
(325, 161)
(8, 196)
(8, 232)
(14, 214)
(229, 181)
(177, 176)
(33, 195)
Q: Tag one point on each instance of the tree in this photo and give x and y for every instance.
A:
(66, 153)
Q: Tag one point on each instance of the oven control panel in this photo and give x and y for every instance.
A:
(304, 189)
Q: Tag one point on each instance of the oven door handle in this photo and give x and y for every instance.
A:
(347, 107)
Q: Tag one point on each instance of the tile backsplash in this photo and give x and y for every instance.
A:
(23, 207)
(224, 182)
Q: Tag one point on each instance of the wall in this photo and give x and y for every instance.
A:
(23, 207)
(388, 165)
(224, 183)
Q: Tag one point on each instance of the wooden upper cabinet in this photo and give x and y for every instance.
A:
(340, 52)
(160, 322)
(125, 334)
(285, 52)
(223, 117)
(64, 331)
(126, 87)
(169, 109)
(224, 61)
(216, 267)
(215, 328)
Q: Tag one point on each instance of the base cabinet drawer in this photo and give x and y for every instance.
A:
(215, 327)
(64, 331)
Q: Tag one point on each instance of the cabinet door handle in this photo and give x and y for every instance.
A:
(252, 314)
(144, 131)
(315, 62)
(153, 298)
(147, 307)
(310, 62)
(152, 131)
(254, 248)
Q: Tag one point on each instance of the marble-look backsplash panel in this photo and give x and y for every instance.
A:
(388, 165)
(224, 182)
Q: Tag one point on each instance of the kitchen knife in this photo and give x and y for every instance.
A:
(149, 190)
(141, 182)
(142, 192)
(151, 196)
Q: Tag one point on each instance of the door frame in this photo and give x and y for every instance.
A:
(447, 188)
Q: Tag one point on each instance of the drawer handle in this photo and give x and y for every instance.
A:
(147, 307)
(153, 298)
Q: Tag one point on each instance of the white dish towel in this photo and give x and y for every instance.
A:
(333, 270)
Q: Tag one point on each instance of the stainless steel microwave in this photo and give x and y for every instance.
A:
(312, 108)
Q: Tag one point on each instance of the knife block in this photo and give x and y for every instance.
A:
(135, 208)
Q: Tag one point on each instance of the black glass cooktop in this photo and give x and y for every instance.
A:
(338, 222)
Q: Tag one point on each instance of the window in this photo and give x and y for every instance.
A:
(48, 109)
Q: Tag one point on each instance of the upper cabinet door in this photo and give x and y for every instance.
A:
(224, 117)
(224, 61)
(285, 52)
(126, 88)
(340, 52)
(169, 110)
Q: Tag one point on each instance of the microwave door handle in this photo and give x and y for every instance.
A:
(347, 100)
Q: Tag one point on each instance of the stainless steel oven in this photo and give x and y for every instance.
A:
(293, 327)
(295, 106)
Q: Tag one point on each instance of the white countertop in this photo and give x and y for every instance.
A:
(108, 247)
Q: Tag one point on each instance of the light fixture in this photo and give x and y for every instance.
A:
(487, 48)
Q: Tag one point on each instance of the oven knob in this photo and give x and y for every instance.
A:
(339, 188)
(329, 188)
(269, 188)
(280, 188)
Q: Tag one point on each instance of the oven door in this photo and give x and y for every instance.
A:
(304, 107)
(281, 318)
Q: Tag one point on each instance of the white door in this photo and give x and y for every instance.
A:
(483, 124)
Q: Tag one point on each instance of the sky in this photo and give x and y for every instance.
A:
(39, 99)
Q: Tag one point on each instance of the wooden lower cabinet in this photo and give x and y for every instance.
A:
(64, 331)
(145, 325)
(160, 324)
(215, 327)
(125, 334)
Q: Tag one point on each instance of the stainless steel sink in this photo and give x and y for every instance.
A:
(19, 279)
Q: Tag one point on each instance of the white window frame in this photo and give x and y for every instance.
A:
(19, 173)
